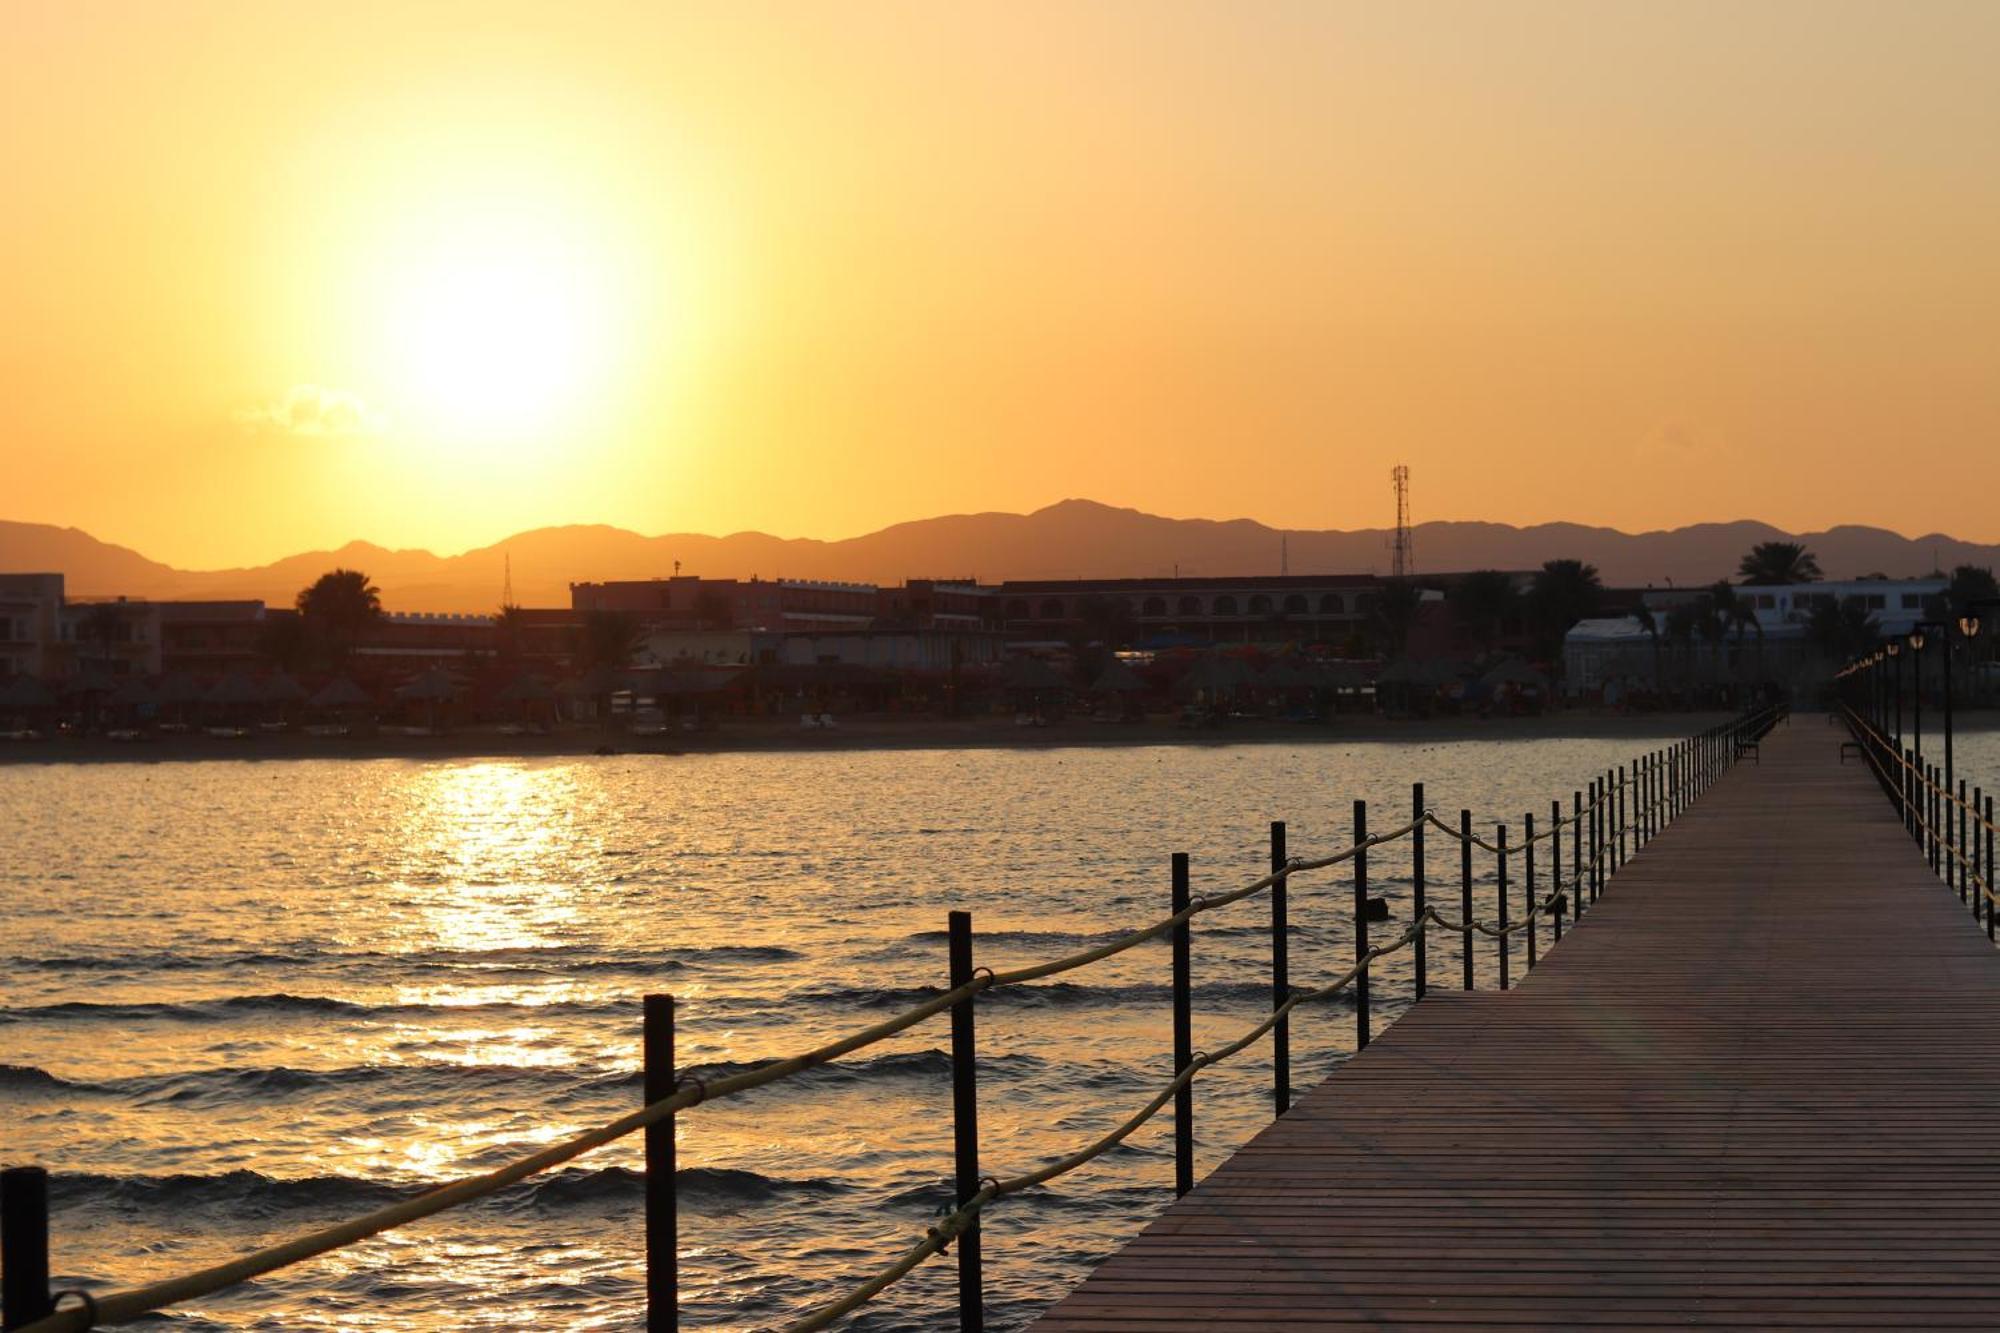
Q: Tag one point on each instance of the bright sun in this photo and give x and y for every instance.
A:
(500, 333)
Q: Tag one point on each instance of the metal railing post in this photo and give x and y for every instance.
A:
(1556, 865)
(1420, 960)
(24, 1246)
(1505, 941)
(1281, 975)
(1576, 855)
(1361, 1023)
(1958, 849)
(965, 1124)
(656, 1045)
(1991, 877)
(1528, 896)
(1183, 1036)
(1465, 896)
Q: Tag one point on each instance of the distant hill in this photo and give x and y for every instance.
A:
(1073, 539)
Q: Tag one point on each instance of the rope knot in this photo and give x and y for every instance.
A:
(85, 1302)
(700, 1088)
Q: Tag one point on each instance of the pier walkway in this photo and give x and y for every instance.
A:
(1758, 1086)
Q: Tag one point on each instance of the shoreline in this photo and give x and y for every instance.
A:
(774, 736)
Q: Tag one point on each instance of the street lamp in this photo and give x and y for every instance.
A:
(1895, 651)
(1916, 642)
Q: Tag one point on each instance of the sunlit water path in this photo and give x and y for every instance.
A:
(246, 999)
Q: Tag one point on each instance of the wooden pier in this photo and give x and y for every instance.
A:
(1757, 1087)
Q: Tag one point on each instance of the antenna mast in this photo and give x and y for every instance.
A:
(1403, 562)
(507, 579)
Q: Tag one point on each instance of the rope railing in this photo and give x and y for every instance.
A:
(1700, 762)
(1959, 822)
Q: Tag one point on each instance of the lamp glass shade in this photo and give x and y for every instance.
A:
(1916, 641)
(1969, 626)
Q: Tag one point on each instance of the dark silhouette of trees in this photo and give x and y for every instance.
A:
(338, 609)
(1106, 621)
(1842, 629)
(104, 626)
(510, 633)
(600, 649)
(1394, 614)
(284, 642)
(1481, 600)
(1778, 562)
(1564, 592)
(1969, 584)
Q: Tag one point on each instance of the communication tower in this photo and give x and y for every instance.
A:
(507, 580)
(1404, 561)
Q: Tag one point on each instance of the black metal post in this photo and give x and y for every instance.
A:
(1465, 895)
(1991, 886)
(1618, 856)
(1183, 1036)
(24, 1246)
(1505, 941)
(965, 1124)
(656, 1044)
(1958, 859)
(1420, 956)
(1281, 976)
(1596, 838)
(1556, 863)
(1576, 853)
(1361, 1023)
(1528, 898)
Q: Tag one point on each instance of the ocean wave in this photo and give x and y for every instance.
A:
(555, 959)
(254, 1194)
(1057, 994)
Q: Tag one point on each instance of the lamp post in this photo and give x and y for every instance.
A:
(1895, 650)
(1916, 642)
(1969, 623)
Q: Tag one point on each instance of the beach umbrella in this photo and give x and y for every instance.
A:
(25, 692)
(1117, 678)
(133, 692)
(434, 686)
(1032, 673)
(1215, 673)
(526, 689)
(179, 688)
(280, 688)
(90, 680)
(1514, 671)
(235, 689)
(1285, 674)
(340, 692)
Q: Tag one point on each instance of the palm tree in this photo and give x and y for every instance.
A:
(1394, 613)
(600, 648)
(1481, 600)
(283, 641)
(1680, 628)
(1778, 562)
(104, 625)
(1565, 591)
(1842, 630)
(338, 608)
(1650, 623)
(509, 633)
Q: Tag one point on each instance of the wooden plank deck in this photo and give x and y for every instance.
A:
(1758, 1087)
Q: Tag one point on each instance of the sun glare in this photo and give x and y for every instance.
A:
(499, 333)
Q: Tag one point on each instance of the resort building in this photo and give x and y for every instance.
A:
(1321, 607)
(30, 623)
(691, 602)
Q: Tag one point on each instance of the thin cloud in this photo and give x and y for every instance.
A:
(310, 410)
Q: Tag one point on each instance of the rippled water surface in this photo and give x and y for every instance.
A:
(248, 999)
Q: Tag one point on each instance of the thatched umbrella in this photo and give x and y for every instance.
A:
(234, 690)
(340, 692)
(280, 688)
(1117, 678)
(25, 694)
(133, 693)
(1216, 674)
(1514, 671)
(434, 689)
(526, 689)
(1033, 674)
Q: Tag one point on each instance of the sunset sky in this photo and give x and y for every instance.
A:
(280, 275)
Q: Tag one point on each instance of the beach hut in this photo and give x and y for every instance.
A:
(1514, 686)
(233, 703)
(24, 700)
(1036, 689)
(1119, 686)
(433, 689)
(342, 700)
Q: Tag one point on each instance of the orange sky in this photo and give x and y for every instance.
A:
(276, 276)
